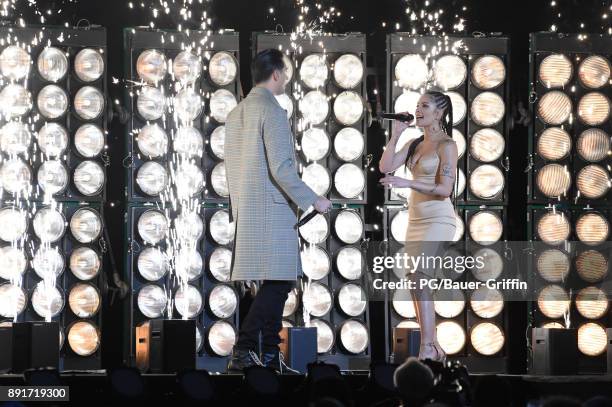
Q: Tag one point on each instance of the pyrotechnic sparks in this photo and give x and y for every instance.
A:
(570, 17)
(312, 21)
(193, 13)
(180, 103)
(35, 205)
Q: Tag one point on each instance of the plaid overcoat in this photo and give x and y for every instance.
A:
(262, 179)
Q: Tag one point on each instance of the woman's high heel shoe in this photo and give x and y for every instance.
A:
(440, 354)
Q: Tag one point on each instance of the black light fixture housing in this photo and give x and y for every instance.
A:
(207, 125)
(346, 140)
(482, 130)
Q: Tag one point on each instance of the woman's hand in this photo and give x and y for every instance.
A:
(391, 181)
(399, 126)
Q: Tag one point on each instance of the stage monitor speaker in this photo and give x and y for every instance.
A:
(555, 351)
(406, 342)
(35, 345)
(166, 345)
(6, 344)
(299, 346)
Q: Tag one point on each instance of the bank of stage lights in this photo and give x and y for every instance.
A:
(475, 77)
(53, 105)
(569, 186)
(52, 143)
(179, 112)
(179, 106)
(208, 297)
(325, 105)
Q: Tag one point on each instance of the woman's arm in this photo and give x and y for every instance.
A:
(391, 160)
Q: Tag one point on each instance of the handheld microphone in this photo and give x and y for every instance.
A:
(406, 117)
(305, 219)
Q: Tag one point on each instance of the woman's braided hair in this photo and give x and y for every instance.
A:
(443, 102)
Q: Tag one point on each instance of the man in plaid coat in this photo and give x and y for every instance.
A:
(262, 179)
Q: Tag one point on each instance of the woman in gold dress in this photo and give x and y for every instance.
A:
(432, 161)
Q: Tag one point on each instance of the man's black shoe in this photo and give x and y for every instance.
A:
(276, 361)
(241, 359)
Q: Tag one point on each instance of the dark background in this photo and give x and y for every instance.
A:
(515, 19)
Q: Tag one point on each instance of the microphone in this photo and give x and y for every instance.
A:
(305, 219)
(406, 117)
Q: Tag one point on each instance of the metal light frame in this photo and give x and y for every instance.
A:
(467, 319)
(169, 42)
(543, 44)
(335, 45)
(400, 44)
(205, 282)
(71, 41)
(572, 283)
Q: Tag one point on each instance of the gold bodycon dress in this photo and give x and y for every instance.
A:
(429, 220)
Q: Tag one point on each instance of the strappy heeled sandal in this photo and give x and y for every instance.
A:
(440, 354)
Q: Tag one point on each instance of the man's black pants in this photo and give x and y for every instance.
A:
(265, 315)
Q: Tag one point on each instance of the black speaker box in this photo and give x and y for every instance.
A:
(406, 342)
(6, 344)
(555, 351)
(35, 345)
(172, 345)
(299, 346)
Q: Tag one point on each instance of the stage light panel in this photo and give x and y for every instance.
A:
(184, 282)
(53, 254)
(47, 112)
(571, 116)
(179, 109)
(475, 79)
(325, 104)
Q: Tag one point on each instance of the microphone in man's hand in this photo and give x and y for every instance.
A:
(306, 219)
(402, 117)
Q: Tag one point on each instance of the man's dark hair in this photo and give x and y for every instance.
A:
(266, 62)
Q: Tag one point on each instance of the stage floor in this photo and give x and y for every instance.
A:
(94, 388)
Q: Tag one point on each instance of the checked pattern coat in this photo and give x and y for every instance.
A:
(262, 179)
